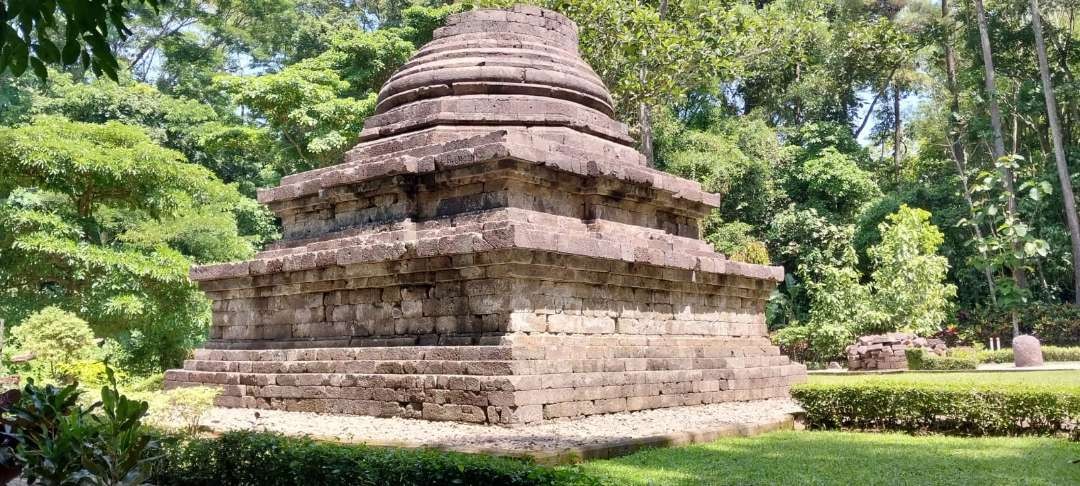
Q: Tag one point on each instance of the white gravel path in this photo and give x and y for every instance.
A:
(547, 436)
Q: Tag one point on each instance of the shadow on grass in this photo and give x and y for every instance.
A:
(822, 458)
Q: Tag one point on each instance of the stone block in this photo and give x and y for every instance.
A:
(1027, 351)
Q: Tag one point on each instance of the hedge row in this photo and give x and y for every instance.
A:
(263, 459)
(919, 359)
(992, 409)
(1050, 353)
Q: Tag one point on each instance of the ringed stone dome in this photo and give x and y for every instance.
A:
(498, 67)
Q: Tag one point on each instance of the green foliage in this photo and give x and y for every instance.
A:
(907, 292)
(122, 452)
(734, 240)
(1012, 243)
(57, 339)
(305, 104)
(1050, 353)
(267, 459)
(1053, 324)
(966, 409)
(919, 359)
(807, 243)
(736, 160)
(183, 406)
(49, 430)
(832, 183)
(60, 442)
(840, 308)
(245, 155)
(908, 279)
(27, 27)
(98, 217)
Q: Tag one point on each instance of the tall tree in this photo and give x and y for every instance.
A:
(1059, 148)
(998, 146)
(956, 146)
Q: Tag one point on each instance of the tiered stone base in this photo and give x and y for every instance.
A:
(498, 337)
(516, 382)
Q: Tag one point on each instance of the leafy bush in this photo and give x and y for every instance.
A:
(1053, 324)
(967, 409)
(919, 359)
(910, 292)
(1050, 353)
(58, 340)
(184, 406)
(249, 458)
(839, 306)
(57, 441)
(88, 373)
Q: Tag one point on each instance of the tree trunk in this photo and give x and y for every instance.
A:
(956, 146)
(1059, 149)
(954, 92)
(897, 123)
(644, 117)
(798, 101)
(645, 126)
(998, 146)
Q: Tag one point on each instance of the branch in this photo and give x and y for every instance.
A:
(874, 102)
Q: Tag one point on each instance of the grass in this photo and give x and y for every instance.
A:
(843, 458)
(1070, 378)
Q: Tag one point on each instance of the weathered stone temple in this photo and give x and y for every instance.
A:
(494, 250)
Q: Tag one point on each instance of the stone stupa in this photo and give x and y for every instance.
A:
(494, 250)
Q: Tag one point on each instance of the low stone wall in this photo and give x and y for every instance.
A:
(888, 351)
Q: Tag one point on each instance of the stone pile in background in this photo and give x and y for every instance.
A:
(888, 351)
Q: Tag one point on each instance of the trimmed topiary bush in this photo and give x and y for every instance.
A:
(967, 409)
(919, 359)
(263, 459)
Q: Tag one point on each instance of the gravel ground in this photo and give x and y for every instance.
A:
(547, 436)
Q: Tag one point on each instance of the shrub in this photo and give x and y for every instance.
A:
(919, 359)
(57, 338)
(57, 441)
(1050, 353)
(948, 408)
(184, 406)
(1053, 324)
(909, 275)
(249, 458)
(839, 307)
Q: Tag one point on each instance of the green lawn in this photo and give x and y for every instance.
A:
(844, 458)
(1068, 377)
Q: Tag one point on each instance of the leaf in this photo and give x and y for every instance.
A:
(72, 48)
(39, 68)
(18, 59)
(46, 50)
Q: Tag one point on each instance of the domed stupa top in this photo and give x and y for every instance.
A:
(497, 67)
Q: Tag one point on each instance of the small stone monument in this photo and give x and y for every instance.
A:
(494, 250)
(1027, 351)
